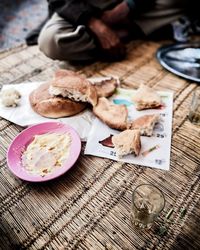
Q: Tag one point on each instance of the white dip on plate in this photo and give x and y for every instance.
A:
(46, 153)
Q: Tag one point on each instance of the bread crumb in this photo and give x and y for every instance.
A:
(10, 97)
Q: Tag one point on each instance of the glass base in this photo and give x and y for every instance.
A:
(140, 224)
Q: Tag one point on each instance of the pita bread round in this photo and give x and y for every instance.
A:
(74, 86)
(53, 106)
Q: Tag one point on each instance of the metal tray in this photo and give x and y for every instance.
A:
(181, 59)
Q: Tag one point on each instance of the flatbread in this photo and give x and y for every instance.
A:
(115, 116)
(106, 88)
(146, 98)
(73, 86)
(53, 106)
(127, 142)
(145, 124)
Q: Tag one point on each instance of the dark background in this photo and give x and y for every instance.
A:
(17, 18)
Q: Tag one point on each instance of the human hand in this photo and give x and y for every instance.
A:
(117, 15)
(109, 41)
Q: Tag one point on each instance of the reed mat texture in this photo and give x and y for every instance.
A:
(89, 206)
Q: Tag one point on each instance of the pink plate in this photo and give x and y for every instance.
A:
(26, 136)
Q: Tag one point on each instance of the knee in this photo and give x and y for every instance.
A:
(48, 45)
(68, 45)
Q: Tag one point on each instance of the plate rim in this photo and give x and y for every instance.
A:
(165, 48)
(37, 178)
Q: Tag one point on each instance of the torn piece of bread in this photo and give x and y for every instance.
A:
(145, 124)
(73, 86)
(10, 97)
(127, 142)
(146, 98)
(53, 106)
(105, 88)
(115, 116)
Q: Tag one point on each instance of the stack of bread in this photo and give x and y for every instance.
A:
(69, 93)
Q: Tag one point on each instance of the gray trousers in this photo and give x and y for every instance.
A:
(62, 41)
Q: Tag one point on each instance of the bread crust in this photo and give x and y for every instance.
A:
(127, 142)
(51, 106)
(74, 86)
(115, 116)
(146, 98)
(106, 88)
(145, 124)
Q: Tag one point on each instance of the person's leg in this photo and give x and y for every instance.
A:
(60, 40)
(162, 14)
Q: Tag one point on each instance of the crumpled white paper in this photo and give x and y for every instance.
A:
(24, 115)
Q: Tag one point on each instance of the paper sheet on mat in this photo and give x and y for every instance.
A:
(155, 151)
(23, 115)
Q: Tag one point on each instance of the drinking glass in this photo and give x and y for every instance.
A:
(194, 111)
(147, 202)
